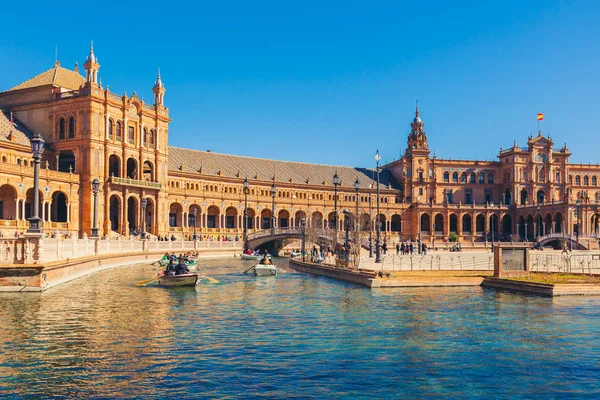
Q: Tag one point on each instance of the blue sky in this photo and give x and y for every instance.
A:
(331, 82)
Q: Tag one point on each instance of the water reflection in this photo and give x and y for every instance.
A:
(289, 335)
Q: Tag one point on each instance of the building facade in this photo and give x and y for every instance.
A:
(92, 133)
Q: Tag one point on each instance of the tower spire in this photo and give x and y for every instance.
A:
(159, 90)
(91, 66)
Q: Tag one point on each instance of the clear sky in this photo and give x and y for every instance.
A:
(330, 82)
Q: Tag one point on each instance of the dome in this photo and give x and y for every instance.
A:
(158, 83)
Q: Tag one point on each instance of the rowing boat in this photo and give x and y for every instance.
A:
(251, 257)
(265, 270)
(178, 280)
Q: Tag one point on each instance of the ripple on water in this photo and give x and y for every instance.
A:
(292, 336)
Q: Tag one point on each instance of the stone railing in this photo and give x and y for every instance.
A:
(23, 250)
(135, 182)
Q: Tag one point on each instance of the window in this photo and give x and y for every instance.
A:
(586, 180)
(468, 196)
(524, 176)
(420, 176)
(131, 135)
(172, 219)
(420, 191)
(488, 196)
(145, 137)
(455, 177)
(61, 128)
(111, 128)
(449, 196)
(481, 178)
(557, 177)
(578, 180)
(151, 139)
(594, 181)
(463, 177)
(446, 176)
(71, 127)
(490, 177)
(119, 131)
(472, 177)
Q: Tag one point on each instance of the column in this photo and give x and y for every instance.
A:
(68, 212)
(473, 225)
(23, 210)
(183, 219)
(50, 211)
(43, 216)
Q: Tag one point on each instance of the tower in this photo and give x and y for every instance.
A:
(91, 66)
(417, 139)
(159, 91)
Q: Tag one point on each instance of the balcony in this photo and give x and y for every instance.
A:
(135, 182)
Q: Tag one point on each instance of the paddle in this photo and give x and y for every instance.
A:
(141, 283)
(249, 268)
(211, 280)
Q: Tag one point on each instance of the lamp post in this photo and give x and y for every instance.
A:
(246, 190)
(492, 224)
(144, 205)
(303, 228)
(336, 182)
(578, 207)
(370, 223)
(356, 218)
(195, 213)
(419, 249)
(37, 148)
(347, 243)
(378, 223)
(95, 189)
(273, 193)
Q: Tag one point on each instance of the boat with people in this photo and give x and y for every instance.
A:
(254, 257)
(181, 280)
(265, 270)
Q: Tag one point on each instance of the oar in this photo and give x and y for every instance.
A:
(141, 283)
(249, 268)
(211, 280)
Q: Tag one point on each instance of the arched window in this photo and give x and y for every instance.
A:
(61, 128)
(131, 135)
(472, 177)
(71, 127)
(586, 180)
(481, 178)
(490, 177)
(577, 180)
(446, 176)
(594, 181)
(145, 138)
(463, 177)
(151, 139)
(119, 131)
(111, 128)
(455, 177)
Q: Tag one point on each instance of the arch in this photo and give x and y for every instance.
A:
(493, 225)
(396, 223)
(472, 178)
(114, 208)
(586, 180)
(231, 217)
(453, 223)
(455, 177)
(523, 197)
(463, 177)
(151, 139)
(365, 222)
(594, 181)
(530, 231)
(283, 219)
(132, 168)
(466, 223)
(490, 177)
(425, 223)
(298, 217)
(508, 197)
(132, 213)
(119, 131)
(71, 127)
(111, 128)
(193, 218)
(316, 220)
(548, 227)
(8, 202)
(540, 196)
(382, 222)
(522, 225)
(148, 171)
(251, 218)
(114, 165)
(175, 215)
(479, 223)
(212, 217)
(438, 223)
(577, 180)
(481, 178)
(331, 220)
(558, 223)
(507, 225)
(446, 176)
(148, 214)
(145, 137)
(266, 219)
(66, 161)
(62, 128)
(58, 211)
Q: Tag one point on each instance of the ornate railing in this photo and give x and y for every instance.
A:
(135, 182)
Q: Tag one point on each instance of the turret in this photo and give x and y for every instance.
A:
(159, 91)
(417, 139)
(91, 67)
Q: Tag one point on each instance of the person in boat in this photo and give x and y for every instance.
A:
(181, 268)
(171, 268)
(166, 257)
(265, 260)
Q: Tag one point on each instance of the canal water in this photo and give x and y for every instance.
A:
(293, 335)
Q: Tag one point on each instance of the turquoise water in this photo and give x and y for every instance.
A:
(293, 336)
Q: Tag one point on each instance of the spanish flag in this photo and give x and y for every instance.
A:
(540, 116)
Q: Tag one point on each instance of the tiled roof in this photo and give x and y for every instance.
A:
(57, 76)
(20, 133)
(190, 161)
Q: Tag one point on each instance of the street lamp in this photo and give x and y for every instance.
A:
(95, 189)
(347, 243)
(492, 223)
(419, 249)
(578, 205)
(195, 213)
(246, 190)
(538, 231)
(37, 148)
(144, 205)
(370, 223)
(378, 226)
(303, 228)
(336, 182)
(356, 219)
(273, 193)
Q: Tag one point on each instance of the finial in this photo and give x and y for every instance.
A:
(91, 46)
(76, 69)
(417, 109)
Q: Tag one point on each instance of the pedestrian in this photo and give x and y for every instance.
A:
(397, 248)
(384, 248)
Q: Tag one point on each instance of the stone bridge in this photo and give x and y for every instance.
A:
(586, 241)
(279, 235)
